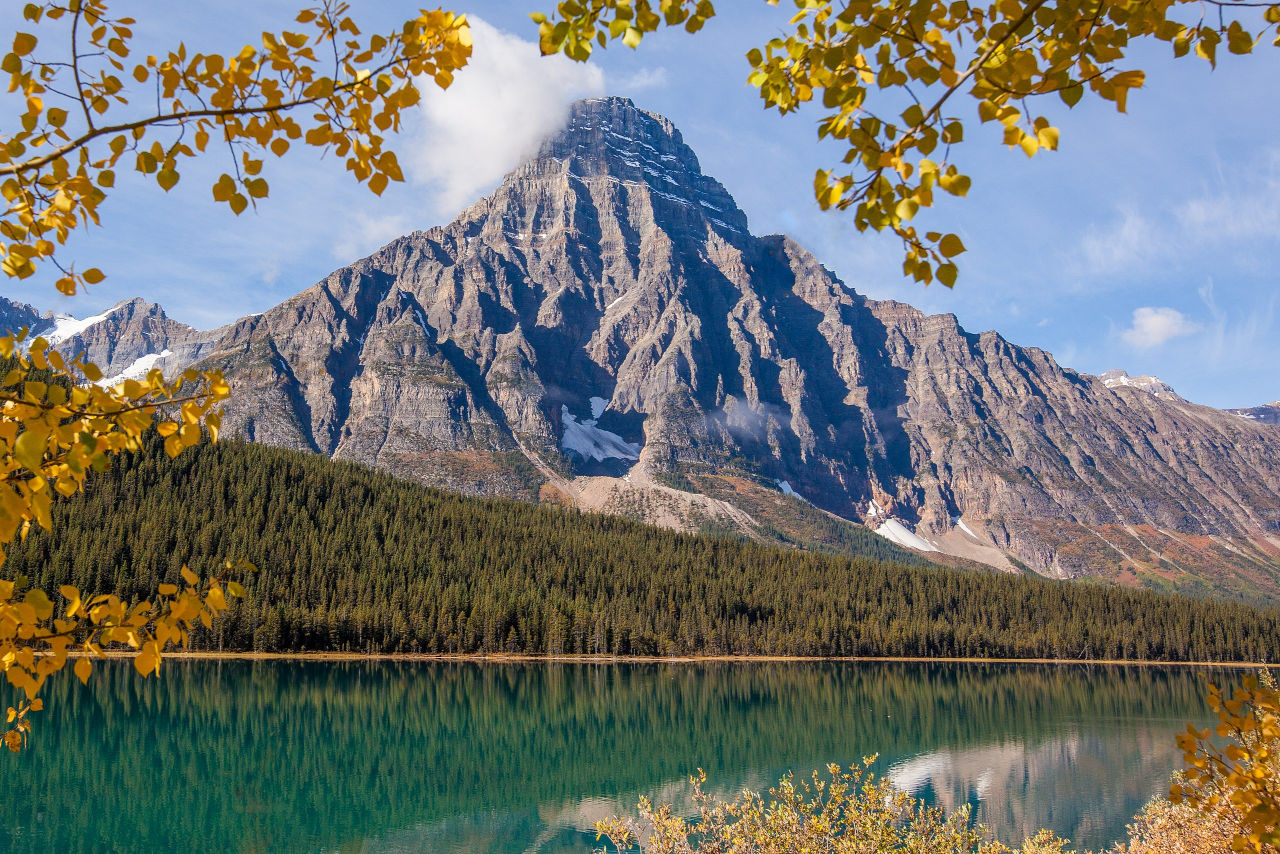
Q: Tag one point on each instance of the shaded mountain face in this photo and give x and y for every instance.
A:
(604, 331)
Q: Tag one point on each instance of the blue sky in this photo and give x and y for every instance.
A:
(1150, 241)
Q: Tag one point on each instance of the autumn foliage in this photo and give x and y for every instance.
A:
(1233, 768)
(325, 85)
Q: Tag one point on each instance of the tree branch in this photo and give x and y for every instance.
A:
(75, 67)
(182, 116)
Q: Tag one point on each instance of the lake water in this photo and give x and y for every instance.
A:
(287, 756)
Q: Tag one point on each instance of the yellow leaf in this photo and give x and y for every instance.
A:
(947, 274)
(950, 246)
(29, 450)
(23, 43)
(145, 662)
(39, 602)
(83, 668)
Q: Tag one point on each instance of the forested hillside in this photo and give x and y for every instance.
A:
(352, 559)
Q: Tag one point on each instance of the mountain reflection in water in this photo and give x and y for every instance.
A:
(290, 756)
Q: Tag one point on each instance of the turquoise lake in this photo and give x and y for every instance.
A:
(293, 756)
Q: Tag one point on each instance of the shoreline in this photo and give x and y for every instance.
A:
(525, 658)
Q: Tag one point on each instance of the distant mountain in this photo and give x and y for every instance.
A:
(1266, 414)
(16, 315)
(604, 331)
(1151, 385)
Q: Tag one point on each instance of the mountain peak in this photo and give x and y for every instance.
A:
(1117, 378)
(610, 139)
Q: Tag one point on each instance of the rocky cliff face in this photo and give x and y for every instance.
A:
(16, 315)
(603, 330)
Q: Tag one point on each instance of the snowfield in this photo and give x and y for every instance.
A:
(897, 532)
(591, 442)
(136, 371)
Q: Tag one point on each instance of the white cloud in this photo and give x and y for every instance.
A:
(1154, 326)
(365, 233)
(496, 113)
(645, 78)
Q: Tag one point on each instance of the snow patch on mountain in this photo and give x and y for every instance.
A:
(136, 371)
(958, 521)
(65, 326)
(594, 443)
(897, 531)
(1155, 386)
(785, 486)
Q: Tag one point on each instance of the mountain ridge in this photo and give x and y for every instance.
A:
(604, 331)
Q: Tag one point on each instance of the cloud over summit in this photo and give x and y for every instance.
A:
(496, 113)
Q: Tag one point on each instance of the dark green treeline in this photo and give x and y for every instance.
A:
(352, 559)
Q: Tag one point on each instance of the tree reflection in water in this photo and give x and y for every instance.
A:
(294, 756)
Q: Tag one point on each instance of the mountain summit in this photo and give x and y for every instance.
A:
(604, 331)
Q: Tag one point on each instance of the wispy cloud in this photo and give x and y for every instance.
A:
(496, 113)
(1242, 204)
(1129, 242)
(1154, 326)
(365, 232)
(1237, 206)
(642, 80)
(1243, 338)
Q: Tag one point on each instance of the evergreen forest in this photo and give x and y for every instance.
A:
(351, 559)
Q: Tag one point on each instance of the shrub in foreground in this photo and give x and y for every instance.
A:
(845, 812)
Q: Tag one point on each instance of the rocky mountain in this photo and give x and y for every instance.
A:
(16, 315)
(604, 331)
(1116, 378)
(1266, 414)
